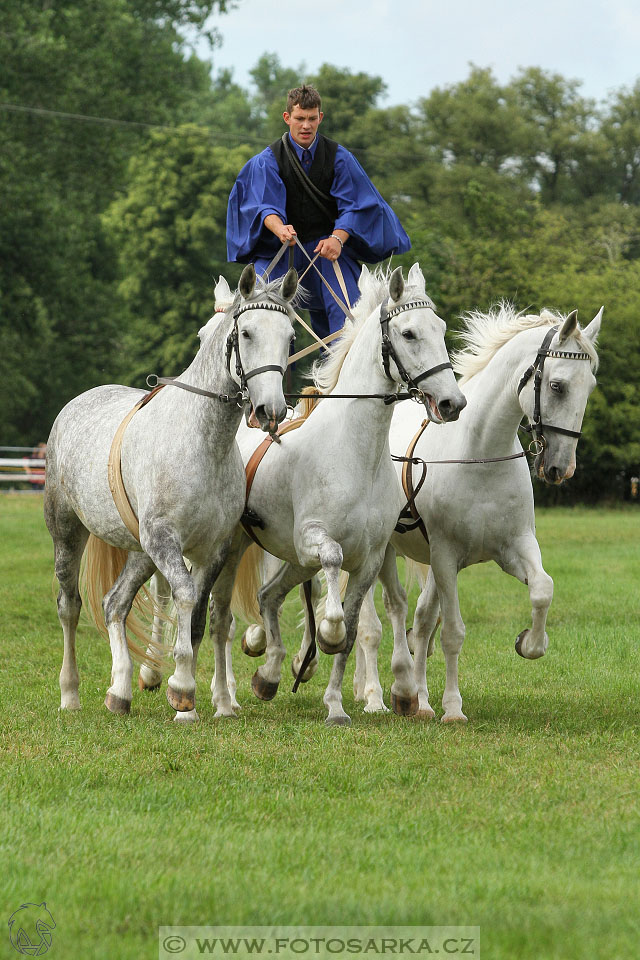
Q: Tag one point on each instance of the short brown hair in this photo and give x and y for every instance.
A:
(305, 97)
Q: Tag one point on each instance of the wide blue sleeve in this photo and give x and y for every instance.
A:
(375, 231)
(257, 192)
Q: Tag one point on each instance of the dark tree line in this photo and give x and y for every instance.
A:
(118, 148)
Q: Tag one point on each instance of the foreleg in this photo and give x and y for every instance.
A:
(116, 605)
(525, 562)
(366, 682)
(425, 624)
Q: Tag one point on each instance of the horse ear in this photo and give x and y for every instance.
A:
(364, 276)
(569, 327)
(591, 332)
(396, 284)
(222, 292)
(289, 284)
(247, 281)
(416, 277)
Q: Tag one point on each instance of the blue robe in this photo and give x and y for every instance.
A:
(374, 230)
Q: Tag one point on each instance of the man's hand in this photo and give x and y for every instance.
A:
(283, 231)
(331, 247)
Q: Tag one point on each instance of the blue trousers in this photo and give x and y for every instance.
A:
(326, 315)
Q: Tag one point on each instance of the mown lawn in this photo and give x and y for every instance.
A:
(524, 823)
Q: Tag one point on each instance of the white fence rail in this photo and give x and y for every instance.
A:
(26, 471)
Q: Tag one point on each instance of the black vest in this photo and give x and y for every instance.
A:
(303, 212)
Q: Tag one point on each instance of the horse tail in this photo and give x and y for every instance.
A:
(244, 599)
(102, 564)
(414, 570)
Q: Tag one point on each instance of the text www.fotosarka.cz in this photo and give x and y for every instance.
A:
(286, 943)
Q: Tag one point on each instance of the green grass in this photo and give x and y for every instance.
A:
(524, 823)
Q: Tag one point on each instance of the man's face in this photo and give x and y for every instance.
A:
(303, 124)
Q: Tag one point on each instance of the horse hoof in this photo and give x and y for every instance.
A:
(180, 701)
(519, 640)
(343, 721)
(117, 704)
(425, 713)
(263, 689)
(145, 686)
(339, 644)
(247, 649)
(404, 706)
(454, 718)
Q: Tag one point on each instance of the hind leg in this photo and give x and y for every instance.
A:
(425, 623)
(116, 605)
(366, 682)
(69, 540)
(404, 690)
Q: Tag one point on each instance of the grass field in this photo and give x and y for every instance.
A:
(524, 823)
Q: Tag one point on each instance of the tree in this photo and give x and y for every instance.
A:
(169, 230)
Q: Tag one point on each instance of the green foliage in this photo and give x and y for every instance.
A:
(112, 235)
(169, 228)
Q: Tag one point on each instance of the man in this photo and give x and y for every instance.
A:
(310, 187)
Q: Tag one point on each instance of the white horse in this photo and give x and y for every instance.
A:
(514, 365)
(326, 495)
(182, 473)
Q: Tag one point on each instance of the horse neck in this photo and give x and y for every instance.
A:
(493, 413)
(208, 371)
(362, 373)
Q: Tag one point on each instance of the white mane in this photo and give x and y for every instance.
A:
(484, 333)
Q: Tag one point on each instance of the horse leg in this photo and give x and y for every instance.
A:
(526, 566)
(298, 660)
(360, 581)
(69, 538)
(425, 624)
(266, 679)
(220, 626)
(445, 571)
(150, 677)
(162, 544)
(203, 578)
(404, 690)
(316, 546)
(366, 682)
(116, 605)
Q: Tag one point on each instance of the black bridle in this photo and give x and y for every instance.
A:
(233, 345)
(536, 427)
(388, 352)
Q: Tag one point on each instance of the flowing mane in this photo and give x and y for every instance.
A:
(484, 333)
(374, 288)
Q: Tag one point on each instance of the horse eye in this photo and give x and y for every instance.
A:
(246, 335)
(556, 387)
(408, 334)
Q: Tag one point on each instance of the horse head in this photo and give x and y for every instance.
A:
(261, 339)
(555, 392)
(414, 350)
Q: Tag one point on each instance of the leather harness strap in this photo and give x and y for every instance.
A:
(114, 470)
(249, 520)
(407, 486)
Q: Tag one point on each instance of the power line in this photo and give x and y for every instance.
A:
(206, 130)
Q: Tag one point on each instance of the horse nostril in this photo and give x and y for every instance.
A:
(450, 409)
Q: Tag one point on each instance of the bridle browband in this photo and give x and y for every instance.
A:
(535, 370)
(388, 352)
